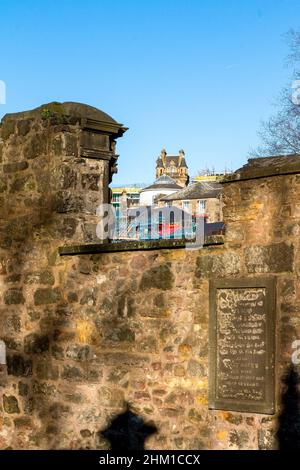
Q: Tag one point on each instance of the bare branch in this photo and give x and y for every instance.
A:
(281, 133)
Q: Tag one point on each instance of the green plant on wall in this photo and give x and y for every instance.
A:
(52, 109)
(46, 113)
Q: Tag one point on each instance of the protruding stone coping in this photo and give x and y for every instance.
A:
(265, 167)
(120, 246)
(70, 112)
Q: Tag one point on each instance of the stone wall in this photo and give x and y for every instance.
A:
(87, 334)
(56, 164)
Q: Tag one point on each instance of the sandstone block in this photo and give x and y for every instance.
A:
(10, 404)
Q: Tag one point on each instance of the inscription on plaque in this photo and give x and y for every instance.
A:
(242, 345)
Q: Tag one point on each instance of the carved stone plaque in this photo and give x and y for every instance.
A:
(242, 345)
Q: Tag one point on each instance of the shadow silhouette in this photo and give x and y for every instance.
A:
(288, 433)
(128, 432)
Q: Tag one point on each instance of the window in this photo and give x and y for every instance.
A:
(202, 205)
(186, 206)
(116, 197)
(135, 196)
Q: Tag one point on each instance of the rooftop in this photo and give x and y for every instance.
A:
(163, 182)
(198, 190)
(178, 160)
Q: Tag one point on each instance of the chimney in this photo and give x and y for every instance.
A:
(181, 156)
(163, 155)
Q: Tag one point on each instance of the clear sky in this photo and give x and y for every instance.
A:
(191, 74)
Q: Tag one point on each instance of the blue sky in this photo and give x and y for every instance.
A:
(193, 74)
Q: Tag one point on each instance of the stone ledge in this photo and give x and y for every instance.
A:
(265, 167)
(120, 246)
(68, 112)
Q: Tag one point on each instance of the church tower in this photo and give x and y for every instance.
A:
(174, 166)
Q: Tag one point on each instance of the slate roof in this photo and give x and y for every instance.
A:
(199, 190)
(163, 182)
(175, 159)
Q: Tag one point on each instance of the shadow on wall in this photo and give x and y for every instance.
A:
(288, 433)
(127, 432)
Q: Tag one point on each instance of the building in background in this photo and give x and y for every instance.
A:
(201, 199)
(174, 166)
(128, 196)
(140, 211)
(163, 186)
(124, 198)
(209, 177)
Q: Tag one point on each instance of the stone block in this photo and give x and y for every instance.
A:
(41, 277)
(238, 439)
(111, 397)
(23, 389)
(7, 128)
(10, 404)
(90, 182)
(14, 167)
(36, 146)
(22, 183)
(58, 411)
(195, 369)
(67, 227)
(122, 359)
(274, 258)
(47, 296)
(3, 184)
(36, 344)
(266, 439)
(23, 423)
(47, 371)
(120, 334)
(23, 127)
(158, 277)
(72, 373)
(219, 265)
(71, 147)
(14, 297)
(67, 177)
(78, 353)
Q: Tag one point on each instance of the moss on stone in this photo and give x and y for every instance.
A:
(51, 109)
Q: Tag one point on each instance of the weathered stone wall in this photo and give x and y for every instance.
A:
(262, 238)
(57, 162)
(86, 334)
